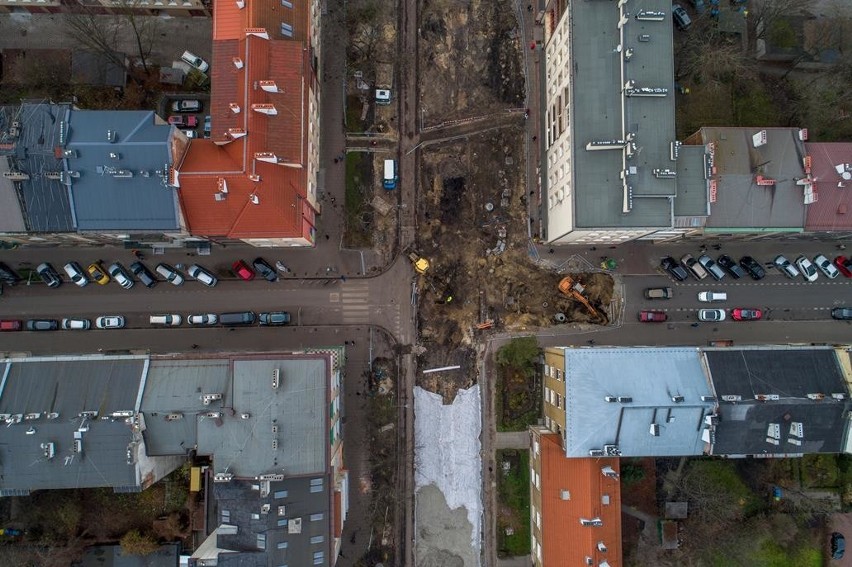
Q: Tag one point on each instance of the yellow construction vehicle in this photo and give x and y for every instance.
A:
(574, 290)
(421, 265)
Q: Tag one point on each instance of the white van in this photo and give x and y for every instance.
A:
(712, 296)
(168, 320)
(389, 178)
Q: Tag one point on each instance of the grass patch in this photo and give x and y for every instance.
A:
(752, 106)
(513, 503)
(518, 403)
(353, 115)
(357, 210)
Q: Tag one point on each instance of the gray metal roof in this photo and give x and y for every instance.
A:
(651, 377)
(596, 114)
(692, 197)
(105, 200)
(784, 377)
(65, 387)
(11, 215)
(740, 202)
(277, 526)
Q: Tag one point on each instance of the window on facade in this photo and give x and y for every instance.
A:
(319, 557)
(261, 541)
(286, 3)
(282, 545)
(280, 494)
(286, 30)
(316, 485)
(317, 517)
(226, 516)
(317, 539)
(282, 522)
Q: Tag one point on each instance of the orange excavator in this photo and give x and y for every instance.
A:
(574, 290)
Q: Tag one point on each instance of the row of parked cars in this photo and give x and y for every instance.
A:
(748, 266)
(241, 318)
(117, 272)
(710, 315)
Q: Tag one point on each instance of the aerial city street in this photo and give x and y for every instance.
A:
(463, 284)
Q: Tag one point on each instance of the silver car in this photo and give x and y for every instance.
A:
(202, 275)
(76, 273)
(110, 322)
(714, 315)
(120, 274)
(203, 319)
(170, 273)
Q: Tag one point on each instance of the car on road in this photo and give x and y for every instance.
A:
(144, 274)
(826, 267)
(712, 267)
(190, 121)
(838, 545)
(76, 324)
(842, 313)
(190, 133)
(202, 275)
(753, 267)
(203, 319)
(237, 318)
(712, 296)
(711, 314)
(681, 18)
(732, 267)
(208, 126)
(186, 105)
(10, 325)
(844, 264)
(98, 273)
(809, 271)
(195, 61)
(652, 317)
(7, 275)
(76, 274)
(48, 275)
(42, 325)
(785, 267)
(172, 320)
(109, 322)
(743, 314)
(242, 270)
(274, 318)
(693, 266)
(265, 269)
(659, 293)
(673, 268)
(121, 276)
(170, 273)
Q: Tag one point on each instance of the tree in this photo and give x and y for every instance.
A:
(764, 14)
(521, 353)
(135, 543)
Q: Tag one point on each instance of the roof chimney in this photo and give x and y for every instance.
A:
(235, 108)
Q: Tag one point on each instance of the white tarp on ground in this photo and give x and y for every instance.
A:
(446, 440)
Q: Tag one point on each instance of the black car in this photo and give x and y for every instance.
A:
(838, 545)
(7, 275)
(49, 275)
(732, 268)
(143, 273)
(274, 318)
(263, 268)
(753, 267)
(42, 325)
(842, 313)
(674, 269)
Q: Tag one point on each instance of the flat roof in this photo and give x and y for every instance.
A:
(692, 194)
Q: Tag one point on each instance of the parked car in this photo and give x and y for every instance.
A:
(48, 275)
(186, 105)
(7, 275)
(732, 267)
(691, 264)
(76, 274)
(659, 293)
(204, 319)
(109, 322)
(76, 324)
(242, 270)
(652, 317)
(263, 268)
(838, 545)
(202, 275)
(673, 268)
(711, 315)
(809, 271)
(121, 276)
(170, 273)
(239, 318)
(826, 267)
(743, 314)
(168, 320)
(144, 274)
(711, 266)
(98, 273)
(42, 325)
(274, 318)
(785, 267)
(208, 126)
(712, 296)
(10, 325)
(681, 18)
(753, 267)
(195, 61)
(842, 313)
(189, 133)
(844, 265)
(190, 121)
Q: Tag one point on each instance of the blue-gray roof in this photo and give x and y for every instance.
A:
(121, 184)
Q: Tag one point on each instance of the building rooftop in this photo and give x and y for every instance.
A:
(832, 211)
(692, 194)
(660, 387)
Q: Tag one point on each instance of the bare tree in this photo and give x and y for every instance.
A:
(764, 14)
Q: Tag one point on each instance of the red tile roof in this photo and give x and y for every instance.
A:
(833, 208)
(564, 540)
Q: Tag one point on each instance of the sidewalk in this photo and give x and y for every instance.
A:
(512, 440)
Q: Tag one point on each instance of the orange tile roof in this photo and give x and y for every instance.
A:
(229, 21)
(564, 540)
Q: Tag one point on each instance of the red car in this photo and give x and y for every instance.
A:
(190, 121)
(743, 314)
(652, 316)
(243, 271)
(10, 325)
(844, 264)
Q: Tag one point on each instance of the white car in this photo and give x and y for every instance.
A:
(195, 61)
(76, 273)
(809, 271)
(711, 315)
(204, 319)
(121, 276)
(826, 267)
(167, 320)
(76, 324)
(110, 322)
(170, 273)
(202, 275)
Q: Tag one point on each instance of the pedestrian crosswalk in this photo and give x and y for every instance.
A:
(354, 301)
